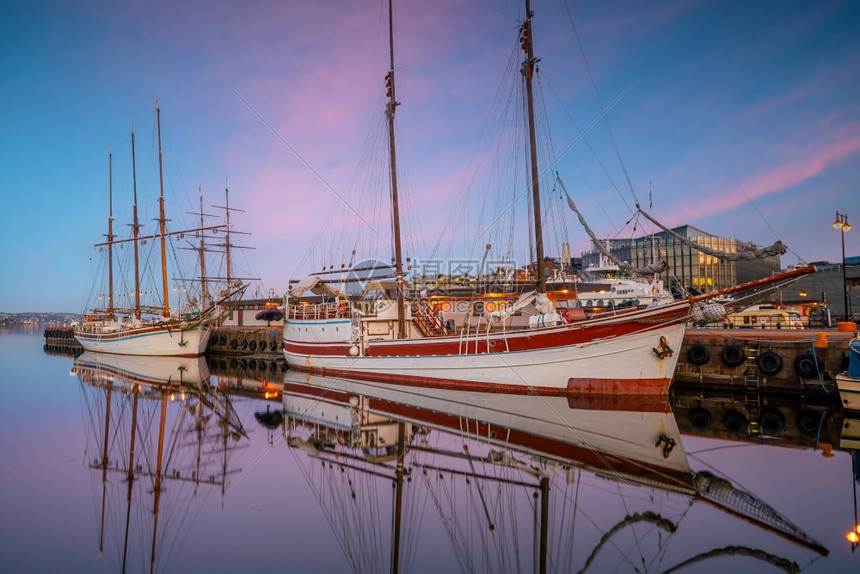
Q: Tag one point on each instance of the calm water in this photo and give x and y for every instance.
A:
(214, 490)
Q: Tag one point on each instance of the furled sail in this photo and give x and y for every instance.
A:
(777, 248)
(648, 270)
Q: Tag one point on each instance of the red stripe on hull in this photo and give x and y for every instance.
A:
(527, 339)
(591, 386)
(479, 429)
(615, 387)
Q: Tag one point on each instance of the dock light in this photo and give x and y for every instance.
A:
(802, 293)
(853, 537)
(172, 397)
(843, 226)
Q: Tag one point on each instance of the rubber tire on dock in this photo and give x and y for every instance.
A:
(771, 421)
(733, 355)
(806, 365)
(769, 363)
(735, 422)
(700, 418)
(698, 354)
(809, 421)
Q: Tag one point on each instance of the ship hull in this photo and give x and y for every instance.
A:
(849, 392)
(147, 341)
(624, 353)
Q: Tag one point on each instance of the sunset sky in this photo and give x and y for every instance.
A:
(743, 117)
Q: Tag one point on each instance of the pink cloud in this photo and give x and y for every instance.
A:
(797, 169)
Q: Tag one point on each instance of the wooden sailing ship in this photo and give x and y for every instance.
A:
(142, 330)
(519, 482)
(534, 344)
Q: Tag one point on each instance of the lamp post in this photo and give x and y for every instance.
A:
(842, 225)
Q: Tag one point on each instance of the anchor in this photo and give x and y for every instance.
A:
(664, 349)
(668, 444)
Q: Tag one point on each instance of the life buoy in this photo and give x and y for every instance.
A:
(698, 354)
(769, 363)
(700, 418)
(565, 316)
(479, 308)
(735, 422)
(806, 365)
(771, 421)
(341, 440)
(732, 355)
(342, 310)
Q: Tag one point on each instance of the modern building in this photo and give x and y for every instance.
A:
(687, 266)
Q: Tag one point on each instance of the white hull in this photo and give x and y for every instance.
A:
(152, 371)
(147, 341)
(849, 392)
(612, 427)
(619, 359)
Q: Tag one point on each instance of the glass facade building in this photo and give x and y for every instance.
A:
(687, 266)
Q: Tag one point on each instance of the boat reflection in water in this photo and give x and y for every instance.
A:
(153, 421)
(519, 482)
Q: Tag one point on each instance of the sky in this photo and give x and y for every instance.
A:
(741, 118)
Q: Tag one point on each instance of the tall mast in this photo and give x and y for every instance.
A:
(161, 218)
(135, 231)
(528, 71)
(203, 290)
(395, 209)
(110, 235)
(227, 236)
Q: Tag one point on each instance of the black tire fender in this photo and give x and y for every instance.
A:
(769, 363)
(698, 354)
(806, 365)
(733, 355)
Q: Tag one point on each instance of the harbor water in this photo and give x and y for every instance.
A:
(140, 466)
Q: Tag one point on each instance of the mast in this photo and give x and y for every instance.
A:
(157, 487)
(135, 229)
(203, 290)
(395, 208)
(110, 235)
(227, 236)
(161, 218)
(130, 475)
(398, 497)
(528, 71)
(105, 469)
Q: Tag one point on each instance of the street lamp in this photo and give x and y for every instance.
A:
(842, 225)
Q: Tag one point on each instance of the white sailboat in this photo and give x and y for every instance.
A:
(627, 351)
(477, 455)
(140, 330)
(533, 345)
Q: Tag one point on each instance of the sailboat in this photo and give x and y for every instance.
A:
(627, 351)
(533, 345)
(147, 331)
(476, 455)
(159, 432)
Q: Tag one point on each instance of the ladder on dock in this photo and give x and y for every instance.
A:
(752, 386)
